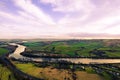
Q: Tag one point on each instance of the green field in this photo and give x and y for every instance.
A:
(5, 74)
(3, 51)
(77, 48)
(99, 48)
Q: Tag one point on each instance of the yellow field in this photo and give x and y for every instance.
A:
(5, 73)
(81, 75)
(50, 73)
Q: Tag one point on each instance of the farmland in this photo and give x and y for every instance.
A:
(3, 51)
(5, 73)
(48, 72)
(98, 49)
(80, 48)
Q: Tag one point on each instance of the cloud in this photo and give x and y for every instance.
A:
(69, 5)
(33, 10)
(30, 21)
(85, 18)
(94, 35)
(97, 20)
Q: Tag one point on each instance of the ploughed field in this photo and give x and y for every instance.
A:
(76, 48)
(52, 72)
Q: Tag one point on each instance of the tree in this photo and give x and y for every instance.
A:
(53, 50)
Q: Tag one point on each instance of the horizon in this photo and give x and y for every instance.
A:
(59, 19)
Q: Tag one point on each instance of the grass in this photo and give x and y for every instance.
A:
(59, 74)
(5, 74)
(89, 70)
(3, 51)
(75, 48)
(106, 76)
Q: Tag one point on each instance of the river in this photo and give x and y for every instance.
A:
(21, 48)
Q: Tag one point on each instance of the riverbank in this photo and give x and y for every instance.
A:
(17, 55)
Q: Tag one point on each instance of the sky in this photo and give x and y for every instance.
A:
(74, 19)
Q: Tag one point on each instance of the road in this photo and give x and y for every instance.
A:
(21, 48)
